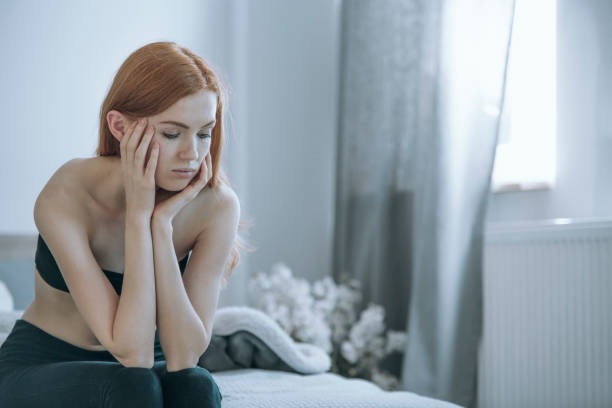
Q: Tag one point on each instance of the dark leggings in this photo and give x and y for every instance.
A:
(40, 370)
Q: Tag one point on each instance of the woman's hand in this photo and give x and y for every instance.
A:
(139, 182)
(166, 210)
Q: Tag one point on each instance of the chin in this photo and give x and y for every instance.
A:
(175, 186)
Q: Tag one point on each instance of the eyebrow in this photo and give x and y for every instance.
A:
(173, 122)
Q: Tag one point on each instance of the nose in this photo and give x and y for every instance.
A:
(189, 149)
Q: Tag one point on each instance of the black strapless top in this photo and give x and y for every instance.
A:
(49, 271)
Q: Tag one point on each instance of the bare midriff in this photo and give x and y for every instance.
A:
(55, 312)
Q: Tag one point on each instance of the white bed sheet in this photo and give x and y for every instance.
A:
(255, 388)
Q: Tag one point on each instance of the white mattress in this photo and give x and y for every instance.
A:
(255, 388)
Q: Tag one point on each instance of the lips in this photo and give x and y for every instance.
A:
(184, 174)
(184, 170)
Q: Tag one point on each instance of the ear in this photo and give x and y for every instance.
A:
(117, 123)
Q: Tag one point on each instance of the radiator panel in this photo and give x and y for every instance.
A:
(547, 329)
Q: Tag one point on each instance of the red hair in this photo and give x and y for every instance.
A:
(150, 80)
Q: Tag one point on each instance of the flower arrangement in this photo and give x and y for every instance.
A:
(325, 315)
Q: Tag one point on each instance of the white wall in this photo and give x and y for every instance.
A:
(292, 117)
(584, 128)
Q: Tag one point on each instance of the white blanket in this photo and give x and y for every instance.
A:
(301, 357)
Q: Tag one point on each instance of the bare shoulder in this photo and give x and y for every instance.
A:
(66, 176)
(223, 196)
(215, 205)
(63, 189)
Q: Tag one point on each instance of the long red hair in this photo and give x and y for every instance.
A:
(152, 79)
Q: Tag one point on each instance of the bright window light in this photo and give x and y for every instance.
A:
(526, 151)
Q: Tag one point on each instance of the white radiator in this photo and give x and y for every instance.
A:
(547, 330)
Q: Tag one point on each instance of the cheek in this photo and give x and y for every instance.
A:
(205, 148)
(165, 149)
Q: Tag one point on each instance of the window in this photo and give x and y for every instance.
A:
(526, 150)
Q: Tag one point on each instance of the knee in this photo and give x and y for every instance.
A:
(134, 387)
(195, 384)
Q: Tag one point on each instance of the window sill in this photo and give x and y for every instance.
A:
(508, 187)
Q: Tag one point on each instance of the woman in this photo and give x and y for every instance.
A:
(96, 337)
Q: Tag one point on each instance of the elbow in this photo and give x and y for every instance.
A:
(138, 361)
(137, 354)
(186, 356)
(136, 357)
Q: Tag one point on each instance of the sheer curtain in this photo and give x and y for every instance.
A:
(421, 93)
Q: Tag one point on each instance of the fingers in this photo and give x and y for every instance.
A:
(135, 138)
(205, 173)
(152, 164)
(174, 204)
(143, 147)
(126, 138)
(208, 169)
(135, 145)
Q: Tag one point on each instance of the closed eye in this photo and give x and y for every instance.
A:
(174, 136)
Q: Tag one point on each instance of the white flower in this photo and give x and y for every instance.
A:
(376, 347)
(369, 327)
(357, 338)
(366, 336)
(315, 332)
(324, 288)
(325, 314)
(324, 307)
(396, 341)
(282, 271)
(347, 297)
(288, 301)
(349, 352)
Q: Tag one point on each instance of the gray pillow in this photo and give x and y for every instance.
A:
(18, 276)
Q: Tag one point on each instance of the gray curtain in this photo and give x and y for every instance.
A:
(420, 100)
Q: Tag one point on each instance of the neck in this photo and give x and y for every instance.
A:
(113, 190)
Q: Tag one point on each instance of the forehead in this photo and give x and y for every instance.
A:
(199, 107)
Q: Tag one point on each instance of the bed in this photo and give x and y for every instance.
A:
(250, 388)
(266, 369)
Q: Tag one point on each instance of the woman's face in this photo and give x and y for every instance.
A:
(183, 133)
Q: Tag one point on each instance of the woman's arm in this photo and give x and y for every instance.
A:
(181, 333)
(135, 319)
(186, 304)
(186, 307)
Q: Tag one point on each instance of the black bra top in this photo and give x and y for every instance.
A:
(49, 271)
